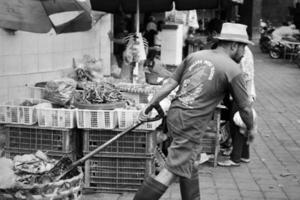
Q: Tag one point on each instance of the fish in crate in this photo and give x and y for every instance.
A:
(23, 178)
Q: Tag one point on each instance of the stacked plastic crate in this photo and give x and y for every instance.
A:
(123, 165)
(56, 142)
(29, 128)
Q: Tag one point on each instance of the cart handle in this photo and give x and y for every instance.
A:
(159, 110)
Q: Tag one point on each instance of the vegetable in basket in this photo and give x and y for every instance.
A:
(98, 94)
(60, 91)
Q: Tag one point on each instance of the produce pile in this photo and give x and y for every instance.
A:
(60, 92)
(87, 69)
(24, 169)
(26, 176)
(99, 93)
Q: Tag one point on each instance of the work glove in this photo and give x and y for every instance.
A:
(143, 117)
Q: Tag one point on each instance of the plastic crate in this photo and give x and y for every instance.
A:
(96, 119)
(36, 138)
(117, 174)
(13, 113)
(11, 153)
(60, 118)
(136, 142)
(127, 118)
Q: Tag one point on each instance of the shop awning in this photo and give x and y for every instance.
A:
(129, 6)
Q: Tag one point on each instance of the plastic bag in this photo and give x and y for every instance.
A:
(238, 120)
(60, 91)
(175, 16)
(192, 20)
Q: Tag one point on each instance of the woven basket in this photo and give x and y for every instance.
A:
(69, 189)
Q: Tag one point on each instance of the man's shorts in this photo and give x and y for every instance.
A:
(182, 154)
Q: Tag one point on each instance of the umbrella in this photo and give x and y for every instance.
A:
(137, 6)
(132, 6)
(129, 6)
(39, 16)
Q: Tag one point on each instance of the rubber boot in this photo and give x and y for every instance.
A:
(150, 190)
(189, 188)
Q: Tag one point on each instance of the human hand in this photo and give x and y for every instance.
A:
(143, 117)
(251, 135)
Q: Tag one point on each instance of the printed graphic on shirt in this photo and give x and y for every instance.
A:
(197, 74)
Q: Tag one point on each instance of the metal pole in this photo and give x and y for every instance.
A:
(137, 20)
(137, 16)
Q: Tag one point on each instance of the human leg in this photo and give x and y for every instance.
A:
(181, 157)
(180, 162)
(189, 188)
(238, 142)
(154, 188)
(239, 146)
(245, 153)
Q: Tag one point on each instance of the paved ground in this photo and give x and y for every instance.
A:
(274, 172)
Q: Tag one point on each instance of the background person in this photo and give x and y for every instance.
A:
(240, 151)
(204, 78)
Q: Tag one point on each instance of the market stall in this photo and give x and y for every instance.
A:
(71, 117)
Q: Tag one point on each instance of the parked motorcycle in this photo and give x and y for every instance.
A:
(278, 49)
(297, 59)
(266, 30)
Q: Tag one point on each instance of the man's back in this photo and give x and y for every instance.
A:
(204, 78)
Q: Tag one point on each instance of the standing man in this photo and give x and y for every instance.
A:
(204, 78)
(240, 147)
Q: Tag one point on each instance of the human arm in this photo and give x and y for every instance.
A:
(247, 66)
(163, 92)
(251, 89)
(241, 97)
(116, 40)
(166, 89)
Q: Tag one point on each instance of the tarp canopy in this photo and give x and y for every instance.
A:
(39, 16)
(129, 6)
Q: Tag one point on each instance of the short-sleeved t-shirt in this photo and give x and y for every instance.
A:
(204, 78)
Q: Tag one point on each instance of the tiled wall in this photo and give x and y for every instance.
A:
(27, 58)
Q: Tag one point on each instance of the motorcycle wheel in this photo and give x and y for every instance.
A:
(275, 53)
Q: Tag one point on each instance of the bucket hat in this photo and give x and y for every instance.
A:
(234, 32)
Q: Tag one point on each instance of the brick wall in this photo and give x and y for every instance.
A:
(27, 58)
